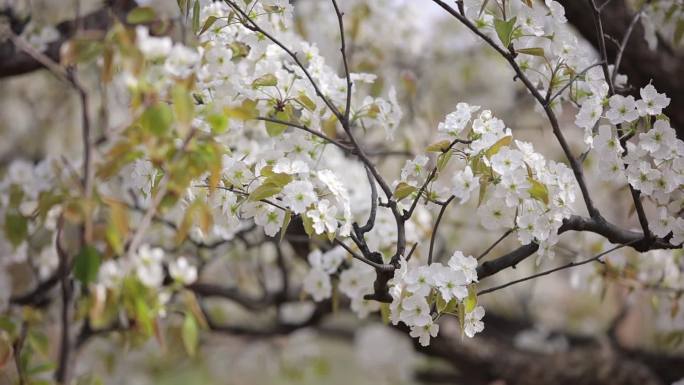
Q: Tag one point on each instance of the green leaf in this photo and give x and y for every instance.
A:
(87, 264)
(385, 313)
(286, 223)
(329, 126)
(306, 101)
(40, 368)
(6, 349)
(275, 129)
(182, 7)
(218, 123)
(196, 17)
(679, 31)
(143, 315)
(504, 29)
(247, 110)
(461, 317)
(471, 300)
(16, 228)
(505, 141)
(190, 334)
(532, 51)
(538, 191)
(308, 225)
(157, 119)
(208, 23)
(264, 191)
(81, 50)
(141, 15)
(279, 180)
(484, 183)
(403, 190)
(7, 325)
(441, 304)
(268, 80)
(443, 160)
(271, 186)
(440, 146)
(183, 104)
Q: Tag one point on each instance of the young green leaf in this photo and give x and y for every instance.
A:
(504, 29)
(141, 15)
(16, 228)
(87, 264)
(196, 17)
(157, 119)
(532, 51)
(208, 23)
(505, 141)
(538, 191)
(275, 129)
(403, 190)
(190, 334)
(268, 80)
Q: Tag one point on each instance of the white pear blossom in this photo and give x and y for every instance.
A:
(467, 265)
(652, 102)
(317, 285)
(494, 214)
(299, 195)
(589, 114)
(148, 265)
(323, 217)
(423, 333)
(464, 183)
(414, 170)
(450, 282)
(182, 271)
(622, 109)
(419, 281)
(270, 218)
(152, 47)
(472, 323)
(456, 121)
(415, 311)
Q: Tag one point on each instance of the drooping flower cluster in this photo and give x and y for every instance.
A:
(417, 291)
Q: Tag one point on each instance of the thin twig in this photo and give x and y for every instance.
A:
(547, 272)
(63, 369)
(493, 245)
(377, 266)
(307, 129)
(343, 49)
(374, 204)
(434, 229)
(623, 45)
(550, 100)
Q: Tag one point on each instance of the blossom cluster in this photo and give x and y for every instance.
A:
(517, 187)
(414, 289)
